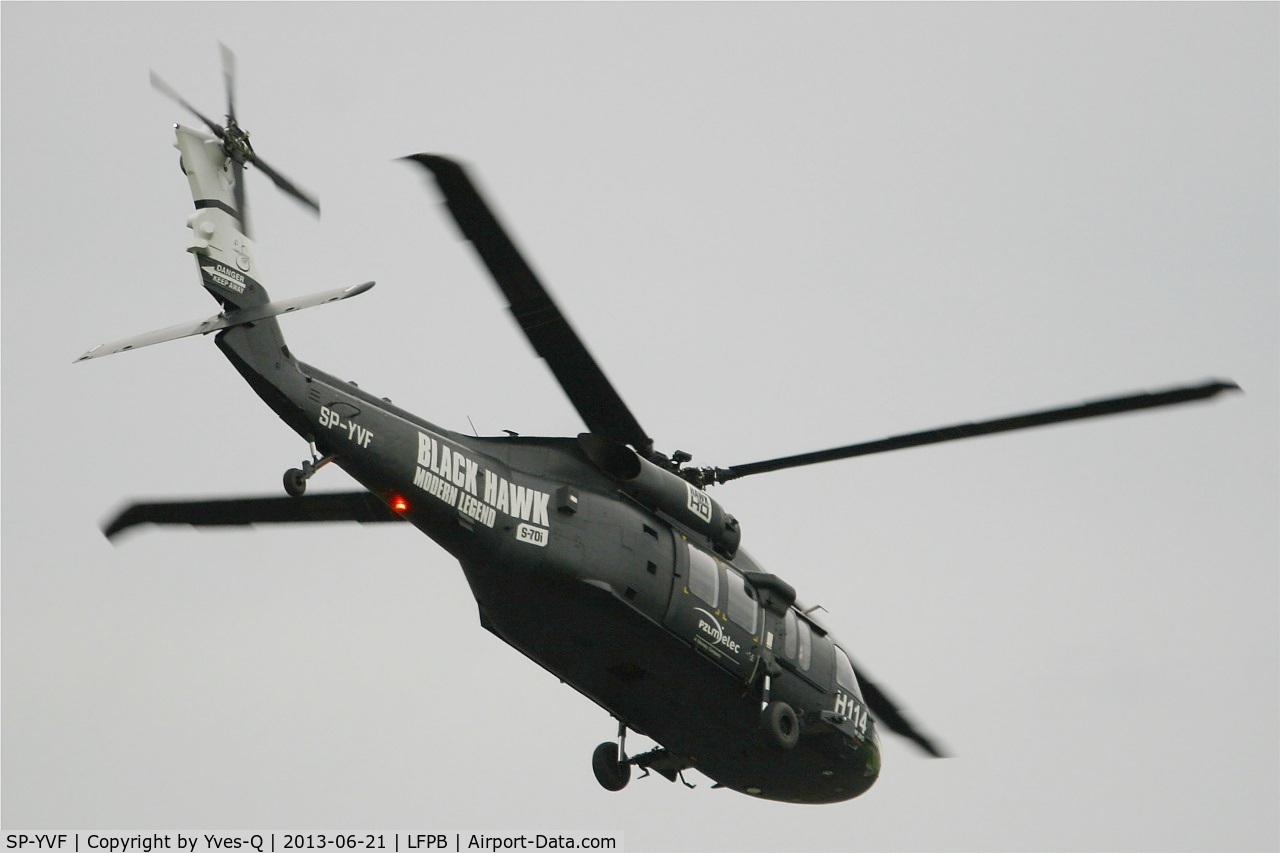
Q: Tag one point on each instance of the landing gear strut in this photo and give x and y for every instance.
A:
(609, 762)
(295, 479)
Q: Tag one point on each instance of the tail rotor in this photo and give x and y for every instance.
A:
(235, 141)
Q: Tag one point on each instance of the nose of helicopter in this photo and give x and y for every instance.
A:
(854, 769)
(838, 775)
(859, 770)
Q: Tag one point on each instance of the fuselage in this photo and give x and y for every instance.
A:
(621, 601)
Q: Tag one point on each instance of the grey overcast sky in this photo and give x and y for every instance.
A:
(780, 228)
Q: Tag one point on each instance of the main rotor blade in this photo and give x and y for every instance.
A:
(285, 184)
(172, 93)
(547, 329)
(891, 717)
(1098, 408)
(363, 507)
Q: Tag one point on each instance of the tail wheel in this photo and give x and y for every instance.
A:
(611, 773)
(781, 725)
(295, 482)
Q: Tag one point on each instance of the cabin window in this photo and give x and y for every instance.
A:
(844, 674)
(704, 577)
(804, 654)
(742, 607)
(789, 635)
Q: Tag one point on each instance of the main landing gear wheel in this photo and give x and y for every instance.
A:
(612, 774)
(781, 725)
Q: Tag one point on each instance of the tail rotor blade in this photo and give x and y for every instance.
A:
(229, 77)
(242, 203)
(285, 184)
(172, 94)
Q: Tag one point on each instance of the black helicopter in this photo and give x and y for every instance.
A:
(565, 541)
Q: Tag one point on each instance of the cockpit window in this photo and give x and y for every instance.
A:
(804, 655)
(704, 577)
(844, 674)
(789, 640)
(742, 607)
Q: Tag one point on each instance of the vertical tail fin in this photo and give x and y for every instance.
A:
(225, 254)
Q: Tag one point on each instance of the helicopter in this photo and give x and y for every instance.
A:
(598, 556)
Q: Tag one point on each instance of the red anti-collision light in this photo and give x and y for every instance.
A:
(399, 504)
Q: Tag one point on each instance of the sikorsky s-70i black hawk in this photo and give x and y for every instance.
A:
(566, 540)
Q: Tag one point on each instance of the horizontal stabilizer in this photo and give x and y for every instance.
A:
(226, 320)
(363, 507)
